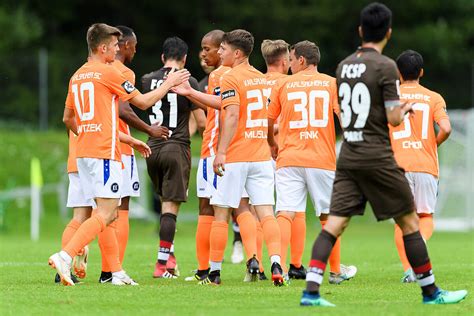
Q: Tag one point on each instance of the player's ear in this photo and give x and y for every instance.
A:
(360, 32)
(389, 34)
(422, 73)
(184, 60)
(163, 58)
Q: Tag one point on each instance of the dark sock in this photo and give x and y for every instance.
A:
(417, 254)
(236, 230)
(319, 257)
(167, 231)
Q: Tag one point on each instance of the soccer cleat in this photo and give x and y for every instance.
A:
(408, 276)
(198, 276)
(121, 278)
(237, 253)
(309, 299)
(214, 278)
(347, 273)
(445, 297)
(253, 270)
(57, 279)
(105, 277)
(79, 263)
(262, 276)
(172, 265)
(161, 272)
(63, 269)
(297, 273)
(277, 274)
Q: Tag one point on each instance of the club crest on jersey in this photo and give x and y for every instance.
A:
(136, 186)
(228, 94)
(217, 91)
(128, 87)
(114, 187)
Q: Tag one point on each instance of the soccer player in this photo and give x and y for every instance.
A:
(415, 143)
(170, 162)
(92, 96)
(243, 158)
(366, 169)
(306, 155)
(276, 56)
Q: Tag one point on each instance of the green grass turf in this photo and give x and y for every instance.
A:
(26, 285)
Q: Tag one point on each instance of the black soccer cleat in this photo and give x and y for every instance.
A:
(57, 279)
(277, 274)
(253, 269)
(297, 273)
(214, 278)
(105, 277)
(262, 276)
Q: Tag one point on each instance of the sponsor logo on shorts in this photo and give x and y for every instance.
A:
(128, 87)
(228, 94)
(136, 186)
(114, 187)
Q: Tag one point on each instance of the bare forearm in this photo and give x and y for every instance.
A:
(144, 101)
(228, 132)
(444, 131)
(131, 118)
(205, 99)
(271, 132)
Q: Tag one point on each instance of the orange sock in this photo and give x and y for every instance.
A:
(271, 233)
(69, 231)
(203, 235)
(218, 240)
(248, 232)
(260, 244)
(109, 249)
(401, 248)
(284, 221)
(84, 235)
(335, 256)
(122, 232)
(426, 226)
(298, 238)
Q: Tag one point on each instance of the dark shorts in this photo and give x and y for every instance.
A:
(168, 167)
(386, 189)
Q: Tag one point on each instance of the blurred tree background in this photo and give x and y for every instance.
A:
(442, 31)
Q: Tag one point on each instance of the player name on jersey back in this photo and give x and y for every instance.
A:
(367, 84)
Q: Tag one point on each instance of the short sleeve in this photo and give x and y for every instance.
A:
(440, 112)
(120, 85)
(390, 84)
(274, 105)
(195, 85)
(70, 98)
(229, 91)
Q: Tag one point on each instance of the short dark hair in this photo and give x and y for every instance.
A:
(409, 64)
(100, 33)
(240, 39)
(309, 50)
(215, 36)
(127, 32)
(375, 20)
(174, 48)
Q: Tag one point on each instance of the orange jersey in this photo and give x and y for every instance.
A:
(71, 158)
(243, 86)
(210, 135)
(272, 80)
(414, 141)
(123, 127)
(304, 104)
(93, 93)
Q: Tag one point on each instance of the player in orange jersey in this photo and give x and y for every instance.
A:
(306, 153)
(277, 59)
(243, 159)
(93, 95)
(415, 143)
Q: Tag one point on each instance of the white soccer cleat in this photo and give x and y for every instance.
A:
(121, 278)
(62, 267)
(237, 253)
(347, 273)
(79, 263)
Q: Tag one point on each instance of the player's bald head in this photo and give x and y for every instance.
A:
(215, 37)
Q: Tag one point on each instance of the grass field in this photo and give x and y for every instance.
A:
(26, 281)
